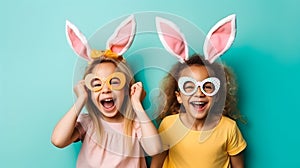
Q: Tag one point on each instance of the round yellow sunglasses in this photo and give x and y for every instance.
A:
(115, 81)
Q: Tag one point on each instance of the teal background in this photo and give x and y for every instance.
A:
(37, 66)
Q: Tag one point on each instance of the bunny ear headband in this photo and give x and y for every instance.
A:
(217, 41)
(116, 45)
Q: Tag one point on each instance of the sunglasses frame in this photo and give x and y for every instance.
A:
(215, 81)
(90, 77)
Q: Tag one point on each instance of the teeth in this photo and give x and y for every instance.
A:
(109, 99)
(198, 103)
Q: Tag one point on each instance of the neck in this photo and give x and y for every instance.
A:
(192, 123)
(199, 124)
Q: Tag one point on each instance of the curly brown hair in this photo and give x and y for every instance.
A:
(226, 99)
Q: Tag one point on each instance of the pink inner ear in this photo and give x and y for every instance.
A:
(219, 39)
(173, 40)
(121, 39)
(77, 44)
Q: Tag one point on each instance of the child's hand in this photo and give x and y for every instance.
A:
(80, 90)
(137, 92)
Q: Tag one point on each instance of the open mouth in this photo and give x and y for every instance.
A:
(199, 105)
(108, 103)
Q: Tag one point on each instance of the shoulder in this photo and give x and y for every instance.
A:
(227, 121)
(230, 126)
(168, 120)
(84, 120)
(235, 141)
(83, 117)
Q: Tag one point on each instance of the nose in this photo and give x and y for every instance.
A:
(199, 92)
(105, 89)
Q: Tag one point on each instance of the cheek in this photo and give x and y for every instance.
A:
(120, 95)
(211, 99)
(185, 98)
(94, 97)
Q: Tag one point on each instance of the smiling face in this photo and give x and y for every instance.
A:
(198, 104)
(107, 99)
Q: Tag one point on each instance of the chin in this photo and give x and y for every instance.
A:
(109, 114)
(200, 115)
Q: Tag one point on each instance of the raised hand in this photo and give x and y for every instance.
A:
(137, 92)
(81, 91)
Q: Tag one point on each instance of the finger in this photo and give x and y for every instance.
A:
(139, 84)
(80, 83)
(143, 94)
(132, 90)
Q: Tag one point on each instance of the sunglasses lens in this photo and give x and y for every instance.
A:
(208, 87)
(117, 81)
(211, 86)
(96, 84)
(189, 87)
(93, 83)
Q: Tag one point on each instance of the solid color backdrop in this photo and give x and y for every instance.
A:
(37, 66)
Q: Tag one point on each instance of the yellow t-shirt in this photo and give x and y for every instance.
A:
(208, 149)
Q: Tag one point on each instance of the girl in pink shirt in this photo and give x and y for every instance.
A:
(116, 131)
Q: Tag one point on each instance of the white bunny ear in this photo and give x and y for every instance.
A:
(123, 36)
(172, 39)
(77, 41)
(220, 38)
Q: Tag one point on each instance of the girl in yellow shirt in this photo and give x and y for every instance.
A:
(198, 107)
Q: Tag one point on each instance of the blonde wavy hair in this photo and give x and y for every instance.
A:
(126, 109)
(168, 104)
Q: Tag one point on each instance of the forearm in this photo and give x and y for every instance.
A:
(158, 160)
(64, 132)
(237, 161)
(150, 139)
